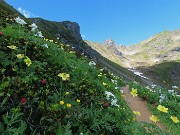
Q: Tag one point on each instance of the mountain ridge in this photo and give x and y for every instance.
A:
(163, 47)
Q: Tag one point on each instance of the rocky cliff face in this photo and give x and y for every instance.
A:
(108, 50)
(111, 45)
(74, 28)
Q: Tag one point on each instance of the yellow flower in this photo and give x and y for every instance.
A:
(137, 113)
(64, 76)
(13, 47)
(61, 102)
(20, 56)
(72, 52)
(67, 93)
(174, 119)
(45, 39)
(27, 61)
(134, 92)
(50, 40)
(162, 108)
(68, 105)
(154, 118)
(77, 100)
(100, 74)
(104, 83)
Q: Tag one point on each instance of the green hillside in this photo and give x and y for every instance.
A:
(167, 74)
(48, 87)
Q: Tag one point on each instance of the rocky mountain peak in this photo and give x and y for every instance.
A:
(111, 45)
(110, 42)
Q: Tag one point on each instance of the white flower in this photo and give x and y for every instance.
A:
(113, 99)
(122, 91)
(113, 81)
(148, 87)
(150, 90)
(153, 86)
(33, 26)
(20, 21)
(161, 98)
(174, 87)
(160, 91)
(171, 91)
(101, 69)
(92, 63)
(114, 102)
(116, 88)
(38, 34)
(108, 94)
(45, 45)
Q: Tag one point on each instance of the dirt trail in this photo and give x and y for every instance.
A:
(137, 104)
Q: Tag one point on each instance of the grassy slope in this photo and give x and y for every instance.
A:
(167, 74)
(30, 95)
(42, 112)
(156, 49)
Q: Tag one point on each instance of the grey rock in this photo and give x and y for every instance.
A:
(176, 49)
(111, 45)
(74, 28)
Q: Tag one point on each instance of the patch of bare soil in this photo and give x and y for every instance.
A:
(137, 104)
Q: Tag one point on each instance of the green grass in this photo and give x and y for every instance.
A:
(167, 74)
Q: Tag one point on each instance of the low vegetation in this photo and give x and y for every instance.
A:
(46, 87)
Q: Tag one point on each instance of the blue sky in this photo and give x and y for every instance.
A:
(125, 21)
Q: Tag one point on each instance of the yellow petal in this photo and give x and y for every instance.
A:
(137, 113)
(174, 119)
(154, 118)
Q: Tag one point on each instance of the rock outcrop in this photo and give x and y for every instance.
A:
(111, 45)
(74, 28)
(65, 31)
